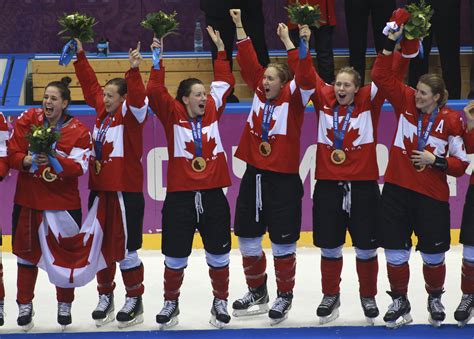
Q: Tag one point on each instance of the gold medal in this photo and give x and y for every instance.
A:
(265, 148)
(48, 176)
(97, 167)
(338, 156)
(420, 168)
(198, 164)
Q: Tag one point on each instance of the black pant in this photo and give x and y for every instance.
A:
(445, 27)
(357, 15)
(323, 46)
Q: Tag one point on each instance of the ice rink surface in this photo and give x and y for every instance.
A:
(196, 298)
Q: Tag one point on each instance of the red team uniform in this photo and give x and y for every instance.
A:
(117, 179)
(3, 173)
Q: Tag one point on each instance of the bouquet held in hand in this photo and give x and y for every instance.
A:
(75, 26)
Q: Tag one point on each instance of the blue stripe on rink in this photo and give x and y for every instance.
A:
(366, 332)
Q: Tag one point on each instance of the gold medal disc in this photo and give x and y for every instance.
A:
(48, 176)
(265, 148)
(338, 156)
(97, 167)
(420, 168)
(198, 164)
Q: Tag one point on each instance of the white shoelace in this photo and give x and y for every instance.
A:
(64, 309)
(466, 302)
(220, 306)
(129, 305)
(104, 302)
(168, 308)
(25, 309)
(280, 304)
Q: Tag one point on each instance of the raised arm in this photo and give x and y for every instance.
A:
(161, 102)
(91, 88)
(223, 78)
(137, 101)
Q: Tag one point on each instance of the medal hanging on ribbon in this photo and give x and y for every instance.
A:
(338, 156)
(199, 163)
(99, 142)
(265, 148)
(423, 136)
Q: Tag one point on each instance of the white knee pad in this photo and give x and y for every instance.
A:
(176, 263)
(332, 253)
(217, 260)
(280, 250)
(468, 253)
(24, 262)
(250, 247)
(432, 259)
(365, 254)
(397, 257)
(131, 260)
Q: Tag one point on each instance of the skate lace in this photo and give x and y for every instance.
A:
(280, 304)
(64, 309)
(168, 308)
(368, 303)
(220, 306)
(435, 305)
(25, 309)
(130, 304)
(328, 300)
(395, 305)
(249, 297)
(466, 302)
(104, 302)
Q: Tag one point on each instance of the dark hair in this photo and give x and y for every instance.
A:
(63, 88)
(283, 71)
(121, 85)
(184, 88)
(436, 83)
(356, 78)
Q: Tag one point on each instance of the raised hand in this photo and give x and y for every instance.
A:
(469, 112)
(157, 43)
(216, 38)
(236, 16)
(79, 45)
(134, 56)
(305, 32)
(282, 31)
(394, 35)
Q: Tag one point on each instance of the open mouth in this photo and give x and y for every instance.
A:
(201, 106)
(267, 90)
(49, 110)
(342, 96)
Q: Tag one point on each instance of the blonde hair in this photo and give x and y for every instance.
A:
(436, 83)
(283, 71)
(356, 78)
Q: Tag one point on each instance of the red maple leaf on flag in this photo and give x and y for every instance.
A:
(349, 137)
(207, 147)
(257, 122)
(70, 252)
(107, 149)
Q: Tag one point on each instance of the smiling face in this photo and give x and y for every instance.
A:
(424, 99)
(272, 83)
(195, 103)
(53, 104)
(345, 88)
(112, 98)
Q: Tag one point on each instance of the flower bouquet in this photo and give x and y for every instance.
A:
(161, 24)
(43, 139)
(416, 28)
(75, 26)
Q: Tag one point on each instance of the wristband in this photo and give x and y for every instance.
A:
(440, 163)
(389, 45)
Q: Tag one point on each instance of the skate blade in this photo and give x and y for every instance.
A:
(274, 322)
(135, 321)
(370, 321)
(434, 323)
(173, 322)
(327, 319)
(216, 323)
(261, 309)
(464, 322)
(406, 319)
(63, 328)
(28, 327)
(101, 322)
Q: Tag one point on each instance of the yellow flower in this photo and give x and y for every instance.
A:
(35, 133)
(48, 130)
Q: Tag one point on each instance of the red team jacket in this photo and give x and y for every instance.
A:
(445, 139)
(72, 148)
(176, 122)
(123, 147)
(3, 146)
(360, 139)
(285, 126)
(469, 142)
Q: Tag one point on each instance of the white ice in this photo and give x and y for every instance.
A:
(196, 295)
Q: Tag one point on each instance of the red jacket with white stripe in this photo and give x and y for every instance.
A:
(445, 139)
(123, 146)
(176, 122)
(3, 146)
(287, 118)
(73, 150)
